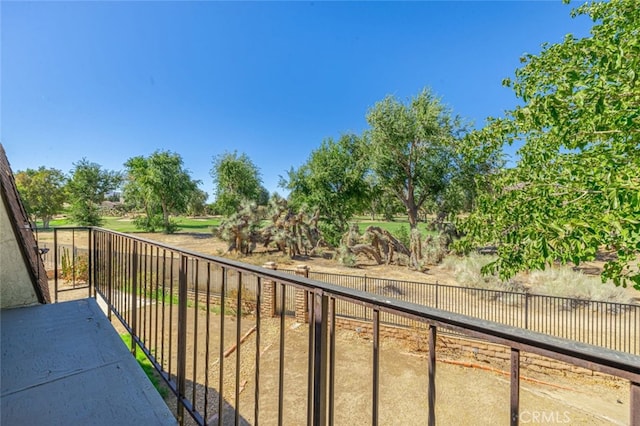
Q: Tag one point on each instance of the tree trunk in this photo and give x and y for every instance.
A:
(415, 244)
(165, 216)
(416, 249)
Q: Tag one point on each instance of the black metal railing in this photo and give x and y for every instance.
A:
(608, 324)
(201, 321)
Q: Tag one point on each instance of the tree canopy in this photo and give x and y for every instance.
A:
(235, 179)
(160, 186)
(332, 181)
(42, 192)
(412, 152)
(575, 190)
(87, 188)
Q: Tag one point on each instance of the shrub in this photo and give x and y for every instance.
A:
(565, 282)
(435, 249)
(345, 257)
(330, 232)
(554, 281)
(148, 224)
(467, 271)
(402, 234)
(74, 268)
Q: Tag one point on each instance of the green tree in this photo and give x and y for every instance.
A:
(235, 179)
(160, 186)
(470, 175)
(333, 181)
(576, 187)
(197, 204)
(87, 188)
(412, 149)
(42, 192)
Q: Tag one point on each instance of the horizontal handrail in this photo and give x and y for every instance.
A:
(613, 362)
(129, 276)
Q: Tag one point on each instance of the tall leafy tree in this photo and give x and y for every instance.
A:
(412, 149)
(197, 204)
(333, 181)
(42, 192)
(576, 187)
(235, 179)
(87, 187)
(160, 186)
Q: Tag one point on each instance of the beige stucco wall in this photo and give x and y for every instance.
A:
(16, 288)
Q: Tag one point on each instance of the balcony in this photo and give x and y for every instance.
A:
(64, 364)
(238, 344)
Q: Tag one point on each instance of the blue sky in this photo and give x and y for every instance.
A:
(111, 80)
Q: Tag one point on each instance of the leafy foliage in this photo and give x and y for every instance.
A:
(42, 192)
(235, 179)
(160, 186)
(576, 188)
(412, 149)
(87, 188)
(332, 180)
(197, 203)
(381, 202)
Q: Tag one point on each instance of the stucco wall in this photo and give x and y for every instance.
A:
(16, 288)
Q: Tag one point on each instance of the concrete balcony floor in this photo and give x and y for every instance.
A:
(65, 364)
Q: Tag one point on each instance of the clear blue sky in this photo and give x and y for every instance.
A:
(112, 80)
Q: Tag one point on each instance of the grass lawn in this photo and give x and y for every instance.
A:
(392, 227)
(203, 225)
(148, 368)
(186, 224)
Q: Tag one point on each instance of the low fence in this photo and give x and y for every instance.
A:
(146, 287)
(606, 324)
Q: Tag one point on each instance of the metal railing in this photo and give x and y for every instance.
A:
(195, 338)
(608, 324)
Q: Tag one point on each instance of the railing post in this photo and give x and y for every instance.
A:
(321, 316)
(332, 360)
(515, 386)
(526, 311)
(634, 415)
(109, 275)
(182, 335)
(91, 252)
(376, 367)
(74, 256)
(432, 375)
(437, 287)
(55, 264)
(134, 297)
(302, 296)
(268, 302)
